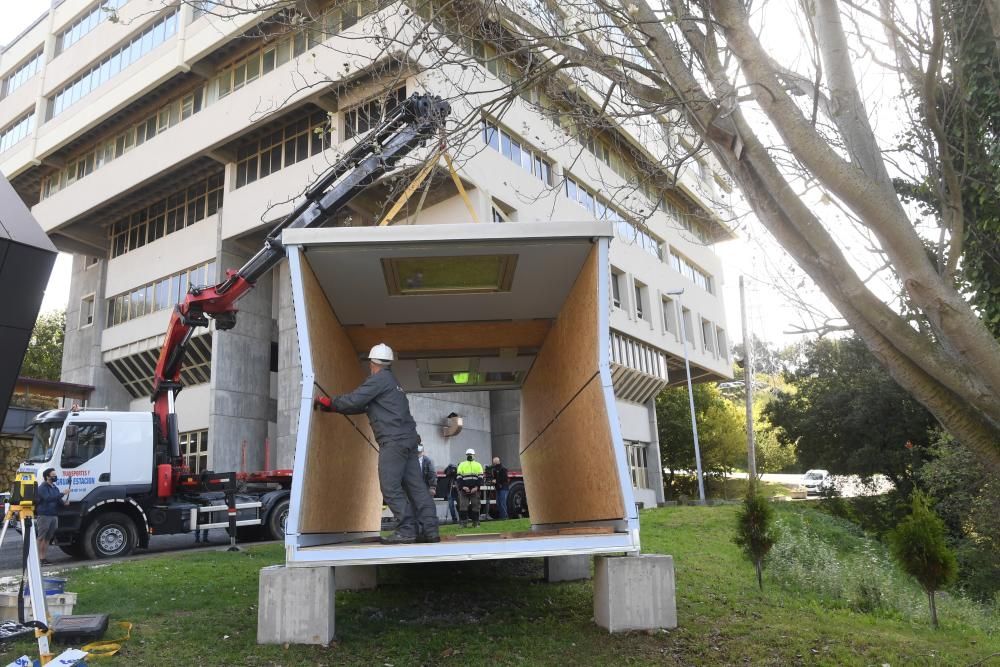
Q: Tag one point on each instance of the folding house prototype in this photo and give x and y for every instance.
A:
(466, 307)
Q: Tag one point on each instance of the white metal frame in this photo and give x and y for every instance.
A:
(342, 549)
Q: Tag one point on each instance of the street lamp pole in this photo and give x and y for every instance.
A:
(687, 367)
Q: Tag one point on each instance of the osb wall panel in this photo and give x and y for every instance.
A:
(445, 336)
(340, 490)
(569, 470)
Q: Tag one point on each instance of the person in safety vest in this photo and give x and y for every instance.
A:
(470, 478)
(403, 486)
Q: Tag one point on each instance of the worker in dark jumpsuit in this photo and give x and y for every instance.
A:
(403, 485)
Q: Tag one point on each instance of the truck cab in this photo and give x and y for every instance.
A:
(105, 459)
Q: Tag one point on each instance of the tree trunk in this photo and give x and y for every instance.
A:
(760, 573)
(934, 618)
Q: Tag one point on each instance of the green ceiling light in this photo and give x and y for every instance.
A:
(465, 274)
(460, 378)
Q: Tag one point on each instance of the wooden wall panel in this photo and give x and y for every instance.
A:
(444, 336)
(576, 446)
(569, 472)
(340, 489)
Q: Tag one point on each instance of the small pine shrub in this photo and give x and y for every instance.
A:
(755, 529)
(918, 545)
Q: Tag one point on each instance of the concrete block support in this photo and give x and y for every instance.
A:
(634, 592)
(355, 577)
(567, 568)
(296, 605)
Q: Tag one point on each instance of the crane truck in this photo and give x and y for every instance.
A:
(125, 472)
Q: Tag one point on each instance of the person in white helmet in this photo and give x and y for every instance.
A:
(399, 474)
(470, 478)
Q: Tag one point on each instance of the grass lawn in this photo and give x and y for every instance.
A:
(201, 609)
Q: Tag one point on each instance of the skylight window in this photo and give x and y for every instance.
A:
(472, 274)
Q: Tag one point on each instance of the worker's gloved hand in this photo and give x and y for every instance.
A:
(323, 403)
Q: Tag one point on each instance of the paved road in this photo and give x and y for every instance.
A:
(10, 551)
(848, 486)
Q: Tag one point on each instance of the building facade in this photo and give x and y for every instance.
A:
(159, 141)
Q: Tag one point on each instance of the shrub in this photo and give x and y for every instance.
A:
(918, 545)
(755, 530)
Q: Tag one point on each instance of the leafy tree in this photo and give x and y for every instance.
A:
(848, 416)
(755, 530)
(720, 432)
(43, 360)
(918, 545)
(790, 132)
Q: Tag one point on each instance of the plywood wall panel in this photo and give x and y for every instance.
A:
(567, 452)
(444, 336)
(569, 472)
(340, 487)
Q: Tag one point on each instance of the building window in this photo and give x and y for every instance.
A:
(616, 287)
(708, 336)
(282, 148)
(25, 71)
(638, 464)
(111, 65)
(669, 316)
(367, 115)
(723, 348)
(640, 300)
(17, 130)
(194, 449)
(688, 326)
(159, 295)
(687, 269)
(87, 311)
(632, 234)
(112, 148)
(516, 151)
(95, 15)
(168, 215)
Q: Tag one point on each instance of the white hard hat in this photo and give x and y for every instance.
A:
(382, 353)
(420, 448)
(470, 451)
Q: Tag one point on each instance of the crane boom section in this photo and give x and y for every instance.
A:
(405, 127)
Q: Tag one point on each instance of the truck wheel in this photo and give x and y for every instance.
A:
(109, 535)
(517, 501)
(276, 519)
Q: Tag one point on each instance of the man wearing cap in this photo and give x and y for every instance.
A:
(403, 486)
(470, 478)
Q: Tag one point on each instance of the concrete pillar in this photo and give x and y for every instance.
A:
(82, 362)
(505, 426)
(567, 568)
(634, 592)
(296, 605)
(241, 372)
(289, 371)
(355, 577)
(430, 411)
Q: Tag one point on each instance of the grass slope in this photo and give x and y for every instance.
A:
(200, 609)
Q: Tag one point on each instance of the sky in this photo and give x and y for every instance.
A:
(754, 255)
(18, 15)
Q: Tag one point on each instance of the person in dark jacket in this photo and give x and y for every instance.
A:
(47, 511)
(501, 484)
(451, 476)
(403, 485)
(427, 470)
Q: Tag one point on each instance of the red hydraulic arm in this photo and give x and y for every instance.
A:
(406, 126)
